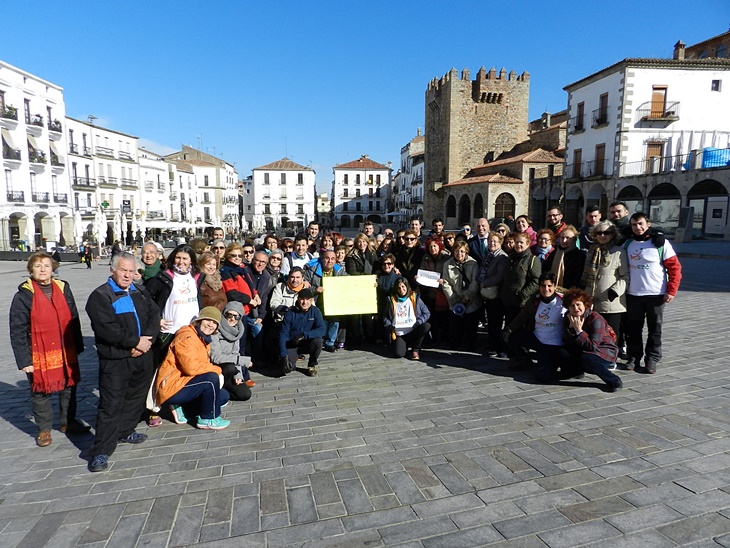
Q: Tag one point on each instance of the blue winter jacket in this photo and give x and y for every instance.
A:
(297, 323)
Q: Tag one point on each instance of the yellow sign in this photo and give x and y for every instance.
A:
(347, 295)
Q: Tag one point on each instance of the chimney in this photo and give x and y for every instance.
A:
(679, 50)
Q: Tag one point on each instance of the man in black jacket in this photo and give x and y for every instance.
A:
(126, 322)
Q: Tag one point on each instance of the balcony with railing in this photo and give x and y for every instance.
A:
(695, 160)
(416, 180)
(173, 195)
(126, 156)
(41, 197)
(156, 214)
(161, 187)
(104, 151)
(600, 118)
(129, 184)
(73, 148)
(657, 114)
(149, 186)
(87, 151)
(60, 197)
(10, 153)
(174, 217)
(597, 169)
(573, 172)
(575, 124)
(55, 126)
(36, 156)
(84, 182)
(9, 113)
(104, 182)
(17, 196)
(34, 124)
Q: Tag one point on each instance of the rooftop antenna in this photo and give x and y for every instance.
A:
(286, 149)
(91, 119)
(200, 141)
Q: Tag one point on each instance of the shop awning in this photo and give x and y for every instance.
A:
(8, 139)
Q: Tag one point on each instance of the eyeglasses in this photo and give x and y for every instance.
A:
(219, 247)
(503, 230)
(543, 239)
(235, 255)
(259, 261)
(603, 232)
(231, 316)
(274, 259)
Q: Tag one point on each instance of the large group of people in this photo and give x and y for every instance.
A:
(176, 336)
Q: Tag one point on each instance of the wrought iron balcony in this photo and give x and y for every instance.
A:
(161, 186)
(85, 182)
(41, 197)
(106, 183)
(55, 125)
(173, 195)
(600, 117)
(87, 151)
(175, 217)
(149, 186)
(157, 214)
(597, 168)
(36, 120)
(73, 148)
(104, 151)
(575, 124)
(132, 183)
(60, 198)
(10, 153)
(658, 112)
(125, 156)
(573, 172)
(16, 196)
(37, 156)
(9, 113)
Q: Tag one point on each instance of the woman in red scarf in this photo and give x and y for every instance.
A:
(45, 334)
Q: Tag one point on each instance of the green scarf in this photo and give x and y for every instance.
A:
(150, 271)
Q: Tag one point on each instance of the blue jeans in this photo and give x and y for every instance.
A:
(333, 327)
(575, 360)
(205, 390)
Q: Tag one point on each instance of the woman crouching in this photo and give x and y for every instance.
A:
(187, 375)
(406, 320)
(590, 344)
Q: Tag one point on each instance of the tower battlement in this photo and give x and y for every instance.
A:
(482, 77)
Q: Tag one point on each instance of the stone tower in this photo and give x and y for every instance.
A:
(470, 122)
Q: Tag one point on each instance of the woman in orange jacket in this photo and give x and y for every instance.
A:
(187, 374)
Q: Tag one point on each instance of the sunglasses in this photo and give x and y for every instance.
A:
(410, 239)
(219, 247)
(275, 258)
(248, 251)
(232, 316)
(603, 232)
(387, 264)
(235, 255)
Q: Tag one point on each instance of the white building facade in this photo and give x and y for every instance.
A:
(283, 196)
(35, 206)
(105, 181)
(215, 202)
(410, 191)
(361, 191)
(645, 131)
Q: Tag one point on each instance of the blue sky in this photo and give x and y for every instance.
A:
(322, 82)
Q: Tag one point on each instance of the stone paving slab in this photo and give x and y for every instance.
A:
(454, 450)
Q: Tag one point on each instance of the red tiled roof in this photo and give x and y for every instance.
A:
(362, 163)
(285, 164)
(538, 156)
(494, 178)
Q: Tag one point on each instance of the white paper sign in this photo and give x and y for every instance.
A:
(428, 278)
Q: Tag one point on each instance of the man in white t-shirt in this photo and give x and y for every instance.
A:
(654, 276)
(539, 327)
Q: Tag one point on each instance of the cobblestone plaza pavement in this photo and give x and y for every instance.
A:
(454, 450)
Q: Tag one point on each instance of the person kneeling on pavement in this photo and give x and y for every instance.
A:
(590, 344)
(301, 333)
(224, 352)
(406, 320)
(187, 375)
(538, 326)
